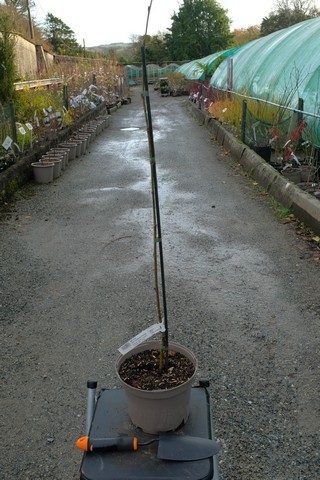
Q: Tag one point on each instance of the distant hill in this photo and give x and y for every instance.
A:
(111, 46)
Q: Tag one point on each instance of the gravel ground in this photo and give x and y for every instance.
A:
(76, 282)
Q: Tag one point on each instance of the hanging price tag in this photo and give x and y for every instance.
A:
(141, 337)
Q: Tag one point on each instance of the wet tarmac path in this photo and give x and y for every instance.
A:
(76, 282)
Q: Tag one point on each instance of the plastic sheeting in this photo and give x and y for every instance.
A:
(280, 67)
(193, 70)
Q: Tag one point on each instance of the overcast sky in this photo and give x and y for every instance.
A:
(100, 22)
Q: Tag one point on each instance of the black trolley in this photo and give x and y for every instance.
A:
(107, 417)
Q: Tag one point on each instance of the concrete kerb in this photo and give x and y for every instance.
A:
(236, 149)
(305, 206)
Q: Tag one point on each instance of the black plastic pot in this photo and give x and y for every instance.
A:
(263, 152)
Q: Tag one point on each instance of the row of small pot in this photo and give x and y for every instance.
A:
(55, 161)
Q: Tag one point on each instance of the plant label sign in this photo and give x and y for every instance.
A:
(7, 143)
(22, 130)
(141, 337)
(29, 126)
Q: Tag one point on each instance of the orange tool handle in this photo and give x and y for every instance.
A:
(89, 444)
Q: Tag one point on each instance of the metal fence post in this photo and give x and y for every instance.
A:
(65, 97)
(300, 107)
(243, 120)
(230, 76)
(13, 121)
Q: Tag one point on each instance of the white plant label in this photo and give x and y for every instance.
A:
(141, 337)
(36, 119)
(22, 130)
(29, 126)
(7, 143)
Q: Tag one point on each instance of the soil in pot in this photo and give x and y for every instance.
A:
(307, 173)
(276, 166)
(292, 174)
(157, 401)
(142, 370)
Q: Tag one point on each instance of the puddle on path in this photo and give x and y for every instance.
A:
(106, 189)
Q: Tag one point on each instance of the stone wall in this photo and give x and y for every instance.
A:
(31, 59)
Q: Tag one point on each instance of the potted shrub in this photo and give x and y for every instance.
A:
(157, 376)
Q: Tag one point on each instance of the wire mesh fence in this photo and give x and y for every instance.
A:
(154, 72)
(287, 137)
(8, 134)
(7, 124)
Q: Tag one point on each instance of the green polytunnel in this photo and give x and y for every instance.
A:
(132, 71)
(280, 67)
(153, 71)
(194, 70)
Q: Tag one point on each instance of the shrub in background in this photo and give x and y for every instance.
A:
(7, 61)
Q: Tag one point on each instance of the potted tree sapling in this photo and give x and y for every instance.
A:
(157, 376)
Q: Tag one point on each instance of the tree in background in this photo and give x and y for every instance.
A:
(156, 49)
(7, 61)
(245, 35)
(199, 28)
(61, 37)
(19, 5)
(287, 13)
(17, 13)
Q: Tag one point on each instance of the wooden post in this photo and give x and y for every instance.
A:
(30, 20)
